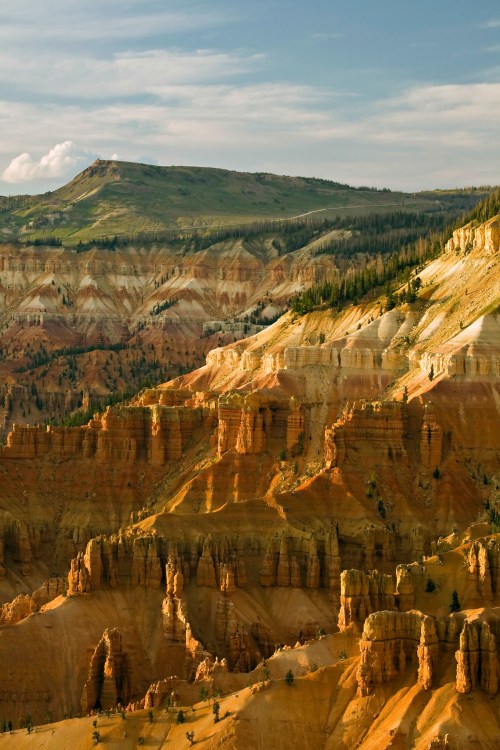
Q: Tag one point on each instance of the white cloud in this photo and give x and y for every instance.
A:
(426, 136)
(62, 160)
(121, 74)
(75, 22)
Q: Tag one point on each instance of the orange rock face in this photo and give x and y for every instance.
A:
(108, 679)
(336, 474)
(477, 662)
(388, 645)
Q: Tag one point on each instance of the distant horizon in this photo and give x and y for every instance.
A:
(378, 188)
(404, 96)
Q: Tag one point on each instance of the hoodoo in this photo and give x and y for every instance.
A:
(301, 536)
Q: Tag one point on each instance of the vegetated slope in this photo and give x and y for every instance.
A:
(126, 199)
(338, 472)
(83, 327)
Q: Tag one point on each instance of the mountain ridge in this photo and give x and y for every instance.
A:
(111, 198)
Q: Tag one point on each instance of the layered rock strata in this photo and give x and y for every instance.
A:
(483, 562)
(253, 423)
(156, 434)
(390, 642)
(361, 594)
(381, 425)
(109, 675)
(477, 661)
(26, 604)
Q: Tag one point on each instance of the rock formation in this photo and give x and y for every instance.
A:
(381, 426)
(109, 676)
(405, 588)
(212, 516)
(361, 594)
(25, 604)
(477, 662)
(390, 642)
(155, 434)
(253, 423)
(478, 560)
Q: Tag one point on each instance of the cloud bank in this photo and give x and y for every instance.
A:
(176, 84)
(63, 160)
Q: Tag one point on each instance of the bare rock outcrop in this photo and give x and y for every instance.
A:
(485, 237)
(16, 610)
(431, 439)
(405, 588)
(232, 633)
(374, 430)
(283, 572)
(332, 561)
(78, 576)
(361, 594)
(427, 652)
(254, 422)
(159, 691)
(210, 667)
(146, 564)
(109, 676)
(477, 662)
(155, 433)
(482, 558)
(389, 642)
(205, 574)
(24, 605)
(268, 567)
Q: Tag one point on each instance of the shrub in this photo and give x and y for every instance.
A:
(436, 473)
(300, 444)
(430, 586)
(180, 717)
(289, 678)
(371, 486)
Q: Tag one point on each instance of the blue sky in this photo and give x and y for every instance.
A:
(391, 93)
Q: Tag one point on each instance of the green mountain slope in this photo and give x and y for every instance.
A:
(122, 198)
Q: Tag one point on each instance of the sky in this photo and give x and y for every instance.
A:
(386, 93)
